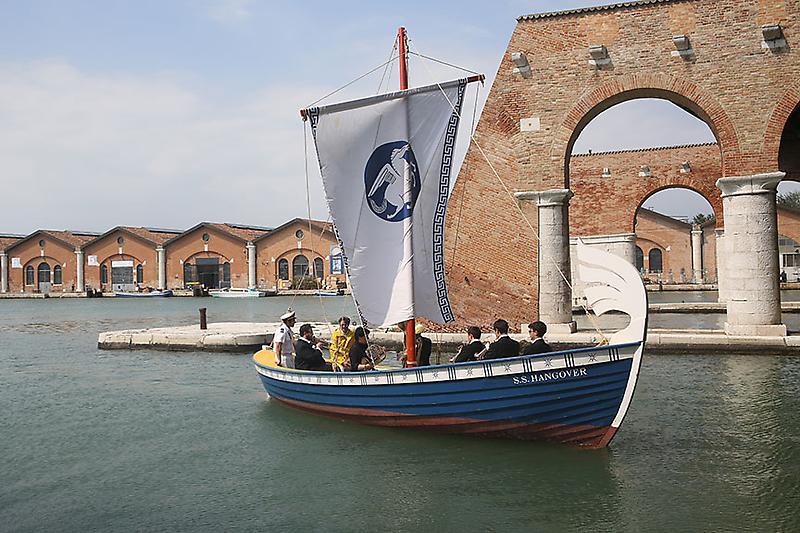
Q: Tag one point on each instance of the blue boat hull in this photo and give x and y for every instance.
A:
(577, 397)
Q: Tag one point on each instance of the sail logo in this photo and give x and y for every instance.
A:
(384, 181)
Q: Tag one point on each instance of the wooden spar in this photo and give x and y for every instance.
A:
(470, 79)
(410, 325)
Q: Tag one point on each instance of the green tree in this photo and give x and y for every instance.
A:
(702, 218)
(790, 200)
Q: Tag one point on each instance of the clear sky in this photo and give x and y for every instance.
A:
(166, 113)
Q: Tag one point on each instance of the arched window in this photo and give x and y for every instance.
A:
(639, 259)
(29, 275)
(139, 274)
(300, 266)
(103, 273)
(655, 260)
(283, 269)
(57, 275)
(319, 268)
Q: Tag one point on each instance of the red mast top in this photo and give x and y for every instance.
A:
(401, 44)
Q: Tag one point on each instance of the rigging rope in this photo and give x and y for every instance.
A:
(515, 202)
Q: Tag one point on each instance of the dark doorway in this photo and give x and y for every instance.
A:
(208, 272)
(43, 277)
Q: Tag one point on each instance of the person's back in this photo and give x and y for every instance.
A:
(504, 346)
(424, 347)
(537, 346)
(469, 351)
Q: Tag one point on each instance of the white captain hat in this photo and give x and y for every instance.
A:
(287, 315)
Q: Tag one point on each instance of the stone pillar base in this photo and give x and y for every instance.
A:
(777, 330)
(560, 329)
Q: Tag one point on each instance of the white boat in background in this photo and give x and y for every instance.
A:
(143, 294)
(235, 293)
(327, 292)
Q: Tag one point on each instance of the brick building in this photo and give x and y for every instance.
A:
(124, 257)
(297, 249)
(46, 261)
(733, 64)
(214, 255)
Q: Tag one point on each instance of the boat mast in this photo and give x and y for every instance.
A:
(408, 248)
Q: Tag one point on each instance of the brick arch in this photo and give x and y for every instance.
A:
(210, 253)
(123, 256)
(710, 195)
(682, 93)
(787, 104)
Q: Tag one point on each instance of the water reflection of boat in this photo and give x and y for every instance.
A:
(235, 293)
(150, 294)
(402, 142)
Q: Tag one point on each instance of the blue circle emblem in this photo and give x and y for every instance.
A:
(384, 180)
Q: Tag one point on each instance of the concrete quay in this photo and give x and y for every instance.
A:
(249, 337)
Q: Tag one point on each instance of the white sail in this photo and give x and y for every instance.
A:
(386, 164)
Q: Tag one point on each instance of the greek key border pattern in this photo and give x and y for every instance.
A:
(441, 205)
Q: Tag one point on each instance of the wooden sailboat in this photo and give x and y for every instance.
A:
(577, 396)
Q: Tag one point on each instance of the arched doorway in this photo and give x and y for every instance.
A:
(789, 152)
(676, 229)
(639, 260)
(208, 269)
(43, 277)
(319, 268)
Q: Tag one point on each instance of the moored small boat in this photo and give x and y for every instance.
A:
(150, 294)
(235, 293)
(328, 293)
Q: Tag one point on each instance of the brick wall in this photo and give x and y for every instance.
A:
(283, 243)
(743, 91)
(30, 253)
(108, 249)
(221, 245)
(672, 238)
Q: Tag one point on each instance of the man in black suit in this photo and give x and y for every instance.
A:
(504, 346)
(537, 330)
(308, 356)
(469, 351)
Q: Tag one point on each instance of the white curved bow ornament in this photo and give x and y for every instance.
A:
(612, 283)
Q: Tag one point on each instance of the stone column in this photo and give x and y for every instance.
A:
(697, 254)
(722, 286)
(80, 283)
(3, 272)
(555, 294)
(251, 265)
(751, 255)
(162, 268)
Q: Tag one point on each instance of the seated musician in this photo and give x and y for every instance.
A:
(359, 358)
(504, 346)
(469, 351)
(537, 345)
(308, 355)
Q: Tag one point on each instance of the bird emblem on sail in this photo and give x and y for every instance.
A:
(384, 179)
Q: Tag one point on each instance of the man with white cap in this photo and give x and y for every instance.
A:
(282, 343)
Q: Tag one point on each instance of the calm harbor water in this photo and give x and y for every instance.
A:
(160, 441)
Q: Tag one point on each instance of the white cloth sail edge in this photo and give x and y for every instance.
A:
(364, 148)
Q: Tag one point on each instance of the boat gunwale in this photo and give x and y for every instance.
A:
(290, 371)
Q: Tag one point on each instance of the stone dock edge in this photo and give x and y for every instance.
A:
(245, 337)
